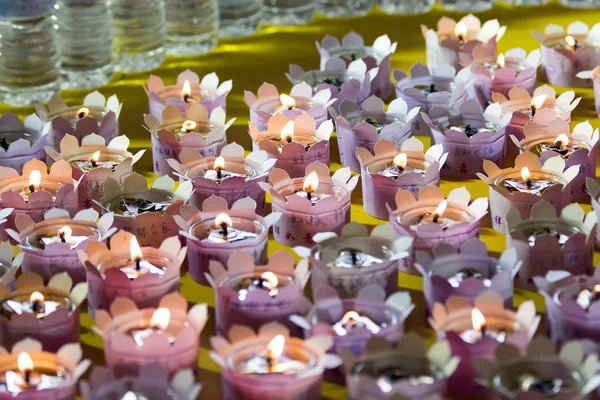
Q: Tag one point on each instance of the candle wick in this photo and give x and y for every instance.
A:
(436, 218)
(27, 376)
(529, 183)
(138, 264)
(61, 235)
(94, 164)
(533, 111)
(461, 39)
(353, 57)
(354, 257)
(309, 195)
(186, 97)
(483, 330)
(81, 115)
(4, 143)
(576, 45)
(219, 173)
(32, 188)
(224, 229)
(432, 88)
(289, 139)
(35, 306)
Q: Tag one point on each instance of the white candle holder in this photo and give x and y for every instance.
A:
(196, 226)
(107, 281)
(562, 62)
(540, 360)
(56, 328)
(442, 86)
(20, 143)
(352, 81)
(244, 343)
(300, 218)
(257, 307)
(171, 134)
(410, 354)
(502, 200)
(466, 154)
(116, 161)
(466, 271)
(255, 168)
(392, 254)
(549, 251)
(352, 47)
(363, 126)
(126, 356)
(151, 380)
(267, 103)
(56, 257)
(309, 143)
(455, 318)
(489, 76)
(584, 140)
(379, 189)
(409, 211)
(153, 225)
(96, 115)
(592, 75)
(445, 47)
(67, 358)
(59, 190)
(207, 92)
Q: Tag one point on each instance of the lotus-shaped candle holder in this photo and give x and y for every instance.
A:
(364, 126)
(382, 178)
(301, 218)
(9, 265)
(20, 143)
(240, 176)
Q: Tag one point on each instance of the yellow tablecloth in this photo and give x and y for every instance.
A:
(265, 57)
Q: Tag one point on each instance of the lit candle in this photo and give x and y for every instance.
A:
(64, 235)
(160, 324)
(137, 265)
(399, 166)
(572, 43)
(493, 67)
(223, 231)
(353, 320)
(36, 303)
(267, 281)
(218, 173)
(186, 94)
(561, 145)
(30, 376)
(272, 360)
(526, 184)
(460, 31)
(436, 217)
(288, 103)
(288, 135)
(97, 160)
(587, 297)
(349, 257)
(481, 329)
(309, 188)
(35, 180)
(536, 104)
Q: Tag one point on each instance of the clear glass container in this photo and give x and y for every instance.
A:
(581, 3)
(192, 26)
(84, 41)
(288, 12)
(344, 8)
(405, 6)
(28, 53)
(139, 34)
(239, 17)
(467, 5)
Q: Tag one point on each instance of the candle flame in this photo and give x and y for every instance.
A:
(501, 61)
(401, 160)
(288, 131)
(189, 125)
(538, 101)
(35, 178)
(83, 112)
(478, 319)
(24, 362)
(287, 101)
(65, 231)
(36, 296)
(219, 163)
(223, 219)
(596, 288)
(571, 41)
(160, 318)
(439, 211)
(129, 396)
(350, 315)
(311, 182)
(187, 89)
(525, 175)
(136, 250)
(95, 156)
(460, 30)
(562, 139)
(275, 347)
(271, 279)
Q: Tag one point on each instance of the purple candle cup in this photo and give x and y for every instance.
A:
(21, 142)
(386, 171)
(364, 126)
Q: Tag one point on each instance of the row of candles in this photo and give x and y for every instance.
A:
(215, 235)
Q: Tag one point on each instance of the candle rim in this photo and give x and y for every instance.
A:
(71, 111)
(207, 164)
(411, 159)
(51, 227)
(430, 207)
(210, 220)
(48, 294)
(498, 381)
(395, 321)
(235, 277)
(148, 255)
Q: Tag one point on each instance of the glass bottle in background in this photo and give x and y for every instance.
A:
(139, 35)
(581, 3)
(28, 57)
(239, 17)
(467, 5)
(344, 8)
(84, 42)
(406, 6)
(192, 26)
(288, 12)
